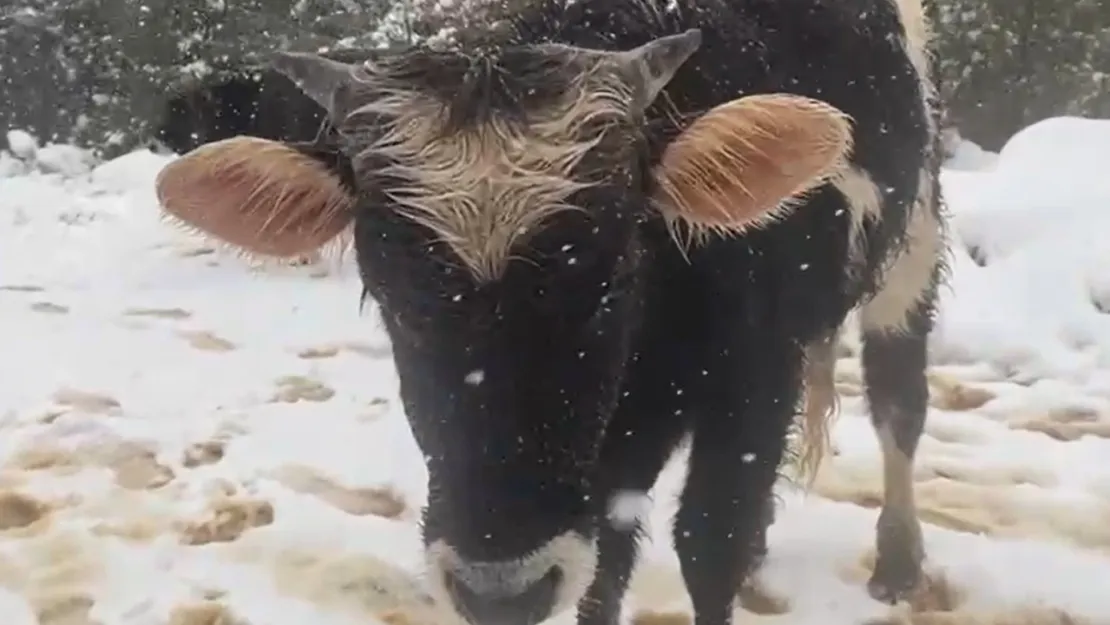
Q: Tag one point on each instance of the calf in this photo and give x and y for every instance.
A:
(623, 225)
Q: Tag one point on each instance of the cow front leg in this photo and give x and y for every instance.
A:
(759, 542)
(643, 434)
(632, 470)
(738, 443)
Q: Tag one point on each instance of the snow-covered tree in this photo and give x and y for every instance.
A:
(95, 71)
(1008, 63)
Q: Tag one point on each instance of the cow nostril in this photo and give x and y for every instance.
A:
(505, 605)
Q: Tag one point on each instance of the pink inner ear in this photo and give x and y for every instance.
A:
(744, 161)
(260, 196)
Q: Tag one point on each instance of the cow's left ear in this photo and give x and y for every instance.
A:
(748, 162)
(260, 197)
(322, 79)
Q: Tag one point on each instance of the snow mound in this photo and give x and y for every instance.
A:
(1030, 291)
(24, 156)
(967, 155)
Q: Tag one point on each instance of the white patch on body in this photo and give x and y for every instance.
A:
(627, 508)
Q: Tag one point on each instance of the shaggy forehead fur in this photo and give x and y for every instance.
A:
(482, 147)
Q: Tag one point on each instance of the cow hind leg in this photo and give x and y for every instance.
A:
(894, 366)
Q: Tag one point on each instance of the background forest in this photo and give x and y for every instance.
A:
(79, 70)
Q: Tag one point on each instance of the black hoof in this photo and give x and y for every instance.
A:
(894, 580)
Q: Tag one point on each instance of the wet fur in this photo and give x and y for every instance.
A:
(303, 207)
(446, 176)
(711, 341)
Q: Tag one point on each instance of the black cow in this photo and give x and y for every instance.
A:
(569, 234)
(229, 102)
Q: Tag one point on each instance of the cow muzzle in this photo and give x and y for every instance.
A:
(521, 591)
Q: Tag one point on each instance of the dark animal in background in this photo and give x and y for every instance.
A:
(252, 100)
(626, 224)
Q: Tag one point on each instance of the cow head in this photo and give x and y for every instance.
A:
(498, 199)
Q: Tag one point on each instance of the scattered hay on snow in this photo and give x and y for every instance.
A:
(226, 520)
(382, 502)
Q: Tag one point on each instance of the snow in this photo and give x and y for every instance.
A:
(185, 437)
(22, 144)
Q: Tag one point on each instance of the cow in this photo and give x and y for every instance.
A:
(226, 103)
(622, 225)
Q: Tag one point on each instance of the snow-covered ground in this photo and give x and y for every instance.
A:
(185, 439)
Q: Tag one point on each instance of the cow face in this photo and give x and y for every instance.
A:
(497, 203)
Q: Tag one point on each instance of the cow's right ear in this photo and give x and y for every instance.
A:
(750, 161)
(321, 79)
(261, 197)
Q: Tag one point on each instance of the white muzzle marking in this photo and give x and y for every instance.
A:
(575, 555)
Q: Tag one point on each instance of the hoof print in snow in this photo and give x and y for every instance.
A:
(1066, 431)
(367, 350)
(135, 467)
(22, 288)
(204, 613)
(50, 308)
(207, 342)
(1067, 424)
(139, 469)
(11, 479)
(397, 617)
(382, 502)
(652, 617)
(85, 401)
(200, 454)
(377, 408)
(1032, 615)
(295, 388)
(65, 608)
(956, 431)
(193, 252)
(1000, 475)
(755, 597)
(226, 521)
(18, 511)
(52, 415)
(160, 313)
(340, 580)
(948, 394)
(316, 353)
(42, 458)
